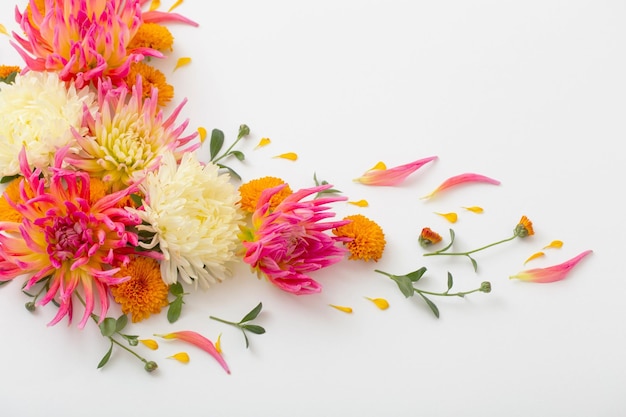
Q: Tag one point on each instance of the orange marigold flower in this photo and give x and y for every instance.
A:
(251, 191)
(368, 240)
(429, 237)
(145, 292)
(12, 192)
(151, 77)
(152, 35)
(6, 70)
(524, 228)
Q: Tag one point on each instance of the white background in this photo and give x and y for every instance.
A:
(531, 93)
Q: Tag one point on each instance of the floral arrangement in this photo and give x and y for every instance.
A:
(108, 208)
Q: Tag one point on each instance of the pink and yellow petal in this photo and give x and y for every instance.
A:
(552, 273)
(199, 341)
(461, 179)
(380, 175)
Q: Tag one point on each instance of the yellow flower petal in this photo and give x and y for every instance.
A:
(202, 133)
(155, 4)
(263, 142)
(218, 343)
(379, 165)
(554, 244)
(451, 217)
(289, 155)
(474, 209)
(175, 5)
(149, 343)
(534, 256)
(182, 62)
(3, 30)
(360, 203)
(342, 308)
(380, 303)
(180, 357)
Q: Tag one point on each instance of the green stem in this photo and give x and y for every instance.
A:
(445, 294)
(225, 321)
(471, 251)
(230, 148)
(127, 349)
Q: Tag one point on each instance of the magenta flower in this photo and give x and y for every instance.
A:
(291, 241)
(200, 341)
(552, 273)
(380, 175)
(67, 240)
(84, 40)
(462, 179)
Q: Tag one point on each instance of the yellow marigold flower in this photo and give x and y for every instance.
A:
(429, 237)
(152, 35)
(524, 228)
(251, 191)
(145, 292)
(151, 77)
(6, 70)
(368, 240)
(7, 212)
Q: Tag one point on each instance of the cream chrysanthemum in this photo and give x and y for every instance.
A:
(193, 213)
(38, 112)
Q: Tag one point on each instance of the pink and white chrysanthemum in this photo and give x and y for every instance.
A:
(64, 238)
(84, 40)
(128, 136)
(289, 242)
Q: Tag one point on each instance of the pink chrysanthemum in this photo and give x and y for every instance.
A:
(66, 239)
(287, 243)
(128, 137)
(84, 40)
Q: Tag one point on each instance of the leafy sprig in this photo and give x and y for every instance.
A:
(217, 142)
(176, 305)
(328, 191)
(244, 325)
(406, 285)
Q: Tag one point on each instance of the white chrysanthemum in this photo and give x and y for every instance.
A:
(194, 214)
(36, 112)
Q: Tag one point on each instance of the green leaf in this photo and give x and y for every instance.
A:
(176, 307)
(121, 322)
(136, 199)
(217, 141)
(176, 289)
(107, 327)
(245, 336)
(432, 305)
(450, 282)
(253, 313)
(405, 284)
(474, 264)
(3, 283)
(239, 155)
(253, 328)
(416, 275)
(244, 130)
(9, 178)
(449, 244)
(106, 357)
(231, 171)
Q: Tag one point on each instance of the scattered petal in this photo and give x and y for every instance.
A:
(292, 156)
(451, 217)
(474, 209)
(150, 343)
(3, 30)
(202, 133)
(534, 256)
(380, 175)
(218, 344)
(182, 62)
(342, 308)
(379, 302)
(461, 179)
(554, 244)
(552, 273)
(182, 357)
(155, 4)
(200, 341)
(263, 142)
(175, 5)
(360, 203)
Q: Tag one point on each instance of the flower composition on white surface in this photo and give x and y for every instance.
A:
(110, 213)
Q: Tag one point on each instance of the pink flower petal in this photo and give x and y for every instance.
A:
(392, 176)
(200, 341)
(552, 273)
(461, 179)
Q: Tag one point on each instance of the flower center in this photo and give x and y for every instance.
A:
(69, 238)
